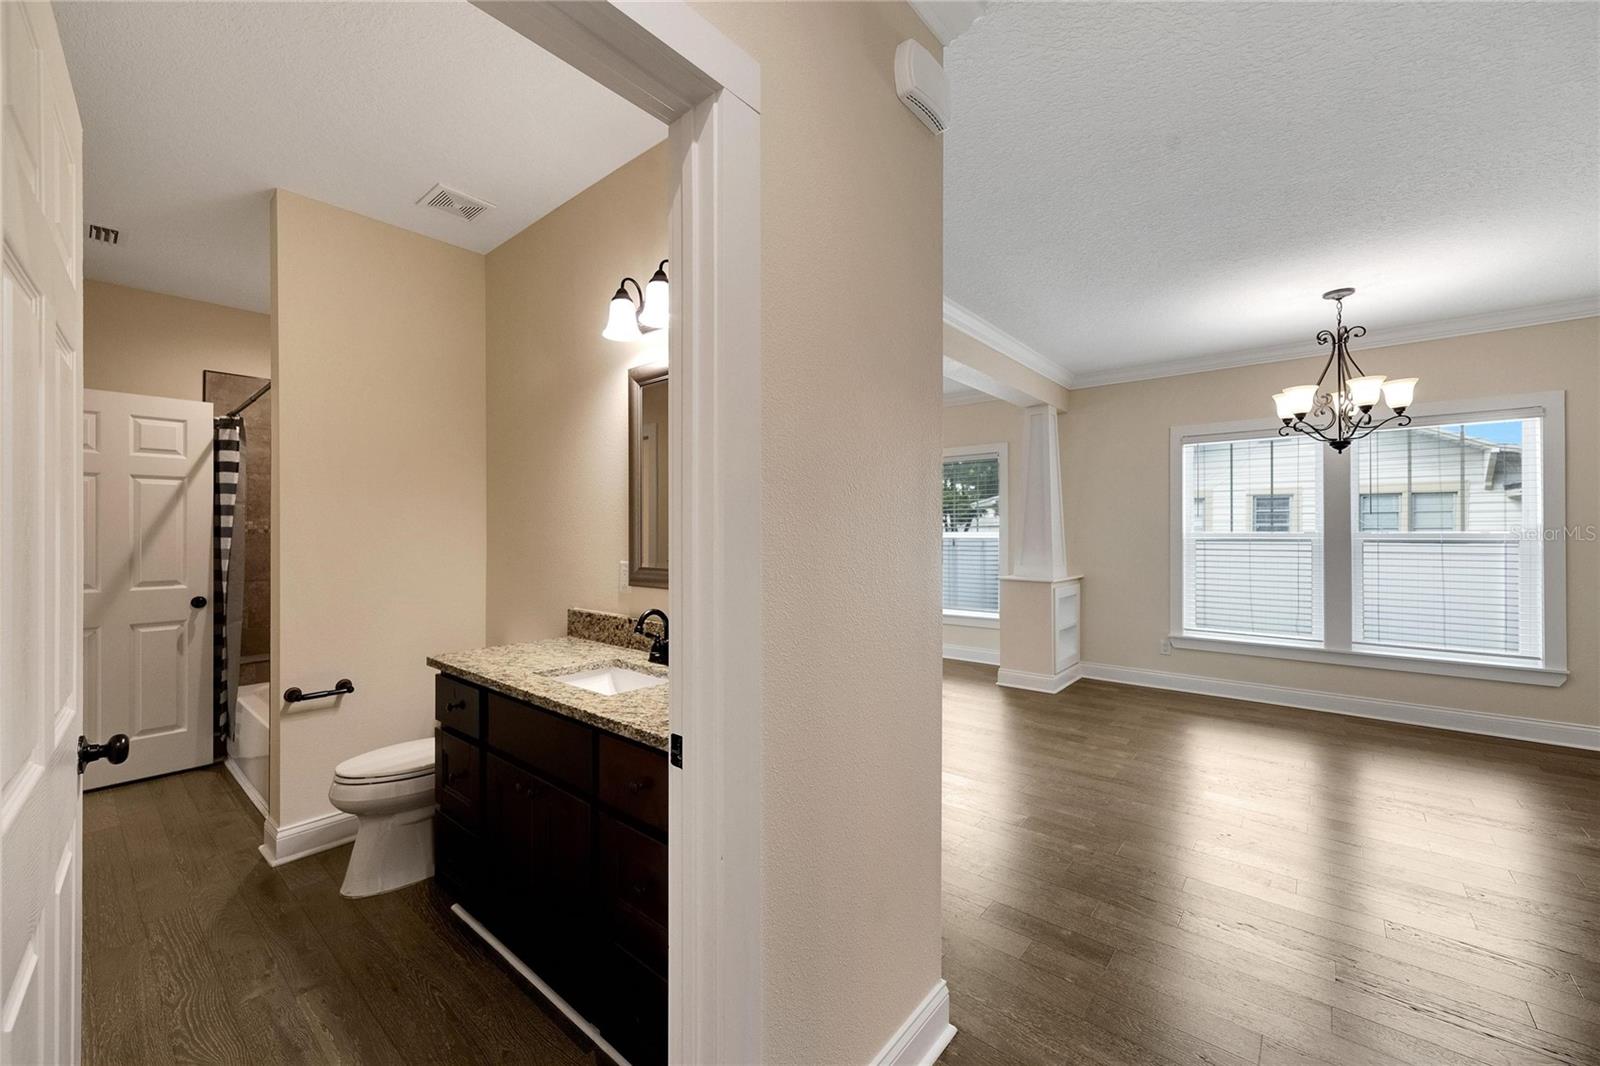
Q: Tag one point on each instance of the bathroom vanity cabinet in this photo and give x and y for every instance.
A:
(553, 833)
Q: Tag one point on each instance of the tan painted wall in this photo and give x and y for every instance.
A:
(558, 404)
(379, 490)
(158, 345)
(851, 293)
(1117, 503)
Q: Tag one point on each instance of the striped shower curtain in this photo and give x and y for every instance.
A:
(229, 459)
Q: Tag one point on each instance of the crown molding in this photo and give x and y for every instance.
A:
(982, 330)
(948, 19)
(1442, 329)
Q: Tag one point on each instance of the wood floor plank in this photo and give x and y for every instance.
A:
(1274, 885)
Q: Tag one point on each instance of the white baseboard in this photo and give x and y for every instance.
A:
(245, 786)
(987, 656)
(281, 844)
(538, 982)
(1481, 723)
(922, 1037)
(1048, 683)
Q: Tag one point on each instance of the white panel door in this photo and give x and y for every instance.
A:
(41, 320)
(147, 635)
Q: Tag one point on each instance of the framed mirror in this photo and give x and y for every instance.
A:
(647, 477)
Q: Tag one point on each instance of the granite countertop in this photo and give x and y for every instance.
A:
(527, 672)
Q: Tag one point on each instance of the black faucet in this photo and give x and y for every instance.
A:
(658, 645)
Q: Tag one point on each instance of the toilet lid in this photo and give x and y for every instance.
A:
(413, 758)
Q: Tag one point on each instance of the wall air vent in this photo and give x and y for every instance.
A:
(454, 202)
(104, 234)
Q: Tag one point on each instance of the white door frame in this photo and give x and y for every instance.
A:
(668, 60)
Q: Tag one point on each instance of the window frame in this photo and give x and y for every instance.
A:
(1341, 511)
(1288, 511)
(1399, 509)
(981, 619)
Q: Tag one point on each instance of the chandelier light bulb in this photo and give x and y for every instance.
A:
(1364, 391)
(1300, 399)
(1398, 392)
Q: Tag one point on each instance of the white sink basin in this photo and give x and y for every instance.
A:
(611, 680)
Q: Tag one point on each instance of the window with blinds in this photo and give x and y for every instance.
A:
(1463, 571)
(972, 513)
(1252, 557)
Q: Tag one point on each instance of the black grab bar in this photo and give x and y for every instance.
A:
(342, 687)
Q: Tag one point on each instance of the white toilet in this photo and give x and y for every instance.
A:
(390, 790)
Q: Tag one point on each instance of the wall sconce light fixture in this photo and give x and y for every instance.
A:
(629, 318)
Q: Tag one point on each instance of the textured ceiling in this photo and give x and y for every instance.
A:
(193, 112)
(1133, 184)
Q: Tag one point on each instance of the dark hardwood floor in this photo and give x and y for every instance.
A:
(1130, 876)
(1135, 876)
(196, 951)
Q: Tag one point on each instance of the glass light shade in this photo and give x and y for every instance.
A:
(1398, 392)
(623, 322)
(656, 302)
(1300, 399)
(1364, 391)
(1281, 399)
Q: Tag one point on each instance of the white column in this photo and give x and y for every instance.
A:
(1041, 553)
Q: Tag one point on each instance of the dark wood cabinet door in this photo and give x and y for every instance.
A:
(540, 834)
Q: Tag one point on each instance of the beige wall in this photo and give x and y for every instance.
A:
(379, 496)
(1117, 503)
(158, 345)
(851, 281)
(558, 404)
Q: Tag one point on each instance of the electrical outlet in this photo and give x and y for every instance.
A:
(1166, 646)
(622, 575)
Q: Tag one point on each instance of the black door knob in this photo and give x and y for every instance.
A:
(198, 602)
(114, 751)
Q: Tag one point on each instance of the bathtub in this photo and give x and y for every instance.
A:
(249, 742)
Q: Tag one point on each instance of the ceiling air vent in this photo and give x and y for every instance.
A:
(454, 202)
(104, 234)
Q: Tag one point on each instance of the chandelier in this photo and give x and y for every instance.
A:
(1340, 411)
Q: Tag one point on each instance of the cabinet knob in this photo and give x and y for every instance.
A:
(456, 705)
(637, 786)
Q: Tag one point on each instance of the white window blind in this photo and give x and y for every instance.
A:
(1465, 575)
(972, 513)
(1253, 558)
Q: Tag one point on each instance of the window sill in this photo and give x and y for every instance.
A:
(975, 619)
(1485, 669)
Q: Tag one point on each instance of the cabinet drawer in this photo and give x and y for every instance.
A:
(559, 748)
(633, 780)
(458, 705)
(635, 1009)
(457, 860)
(633, 869)
(458, 777)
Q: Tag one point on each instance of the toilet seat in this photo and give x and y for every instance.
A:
(405, 761)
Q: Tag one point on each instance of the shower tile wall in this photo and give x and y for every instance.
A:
(227, 391)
